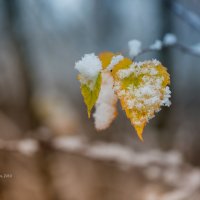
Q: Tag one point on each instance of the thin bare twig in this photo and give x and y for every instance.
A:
(179, 46)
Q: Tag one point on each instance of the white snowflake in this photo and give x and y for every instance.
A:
(106, 104)
(169, 39)
(134, 47)
(89, 66)
(115, 60)
(157, 45)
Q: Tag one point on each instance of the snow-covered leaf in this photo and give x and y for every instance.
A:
(123, 64)
(142, 89)
(106, 110)
(89, 68)
(90, 94)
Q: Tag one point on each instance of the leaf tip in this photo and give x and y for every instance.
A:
(89, 113)
(139, 129)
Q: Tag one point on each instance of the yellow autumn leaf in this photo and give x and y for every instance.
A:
(124, 64)
(106, 109)
(90, 92)
(106, 58)
(141, 87)
(142, 90)
(114, 61)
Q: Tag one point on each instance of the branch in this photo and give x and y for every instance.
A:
(169, 41)
(179, 46)
(186, 15)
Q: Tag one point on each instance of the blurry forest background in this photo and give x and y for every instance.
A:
(40, 41)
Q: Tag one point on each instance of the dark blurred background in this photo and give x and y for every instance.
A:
(40, 41)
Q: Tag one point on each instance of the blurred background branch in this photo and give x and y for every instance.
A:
(153, 164)
(187, 15)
